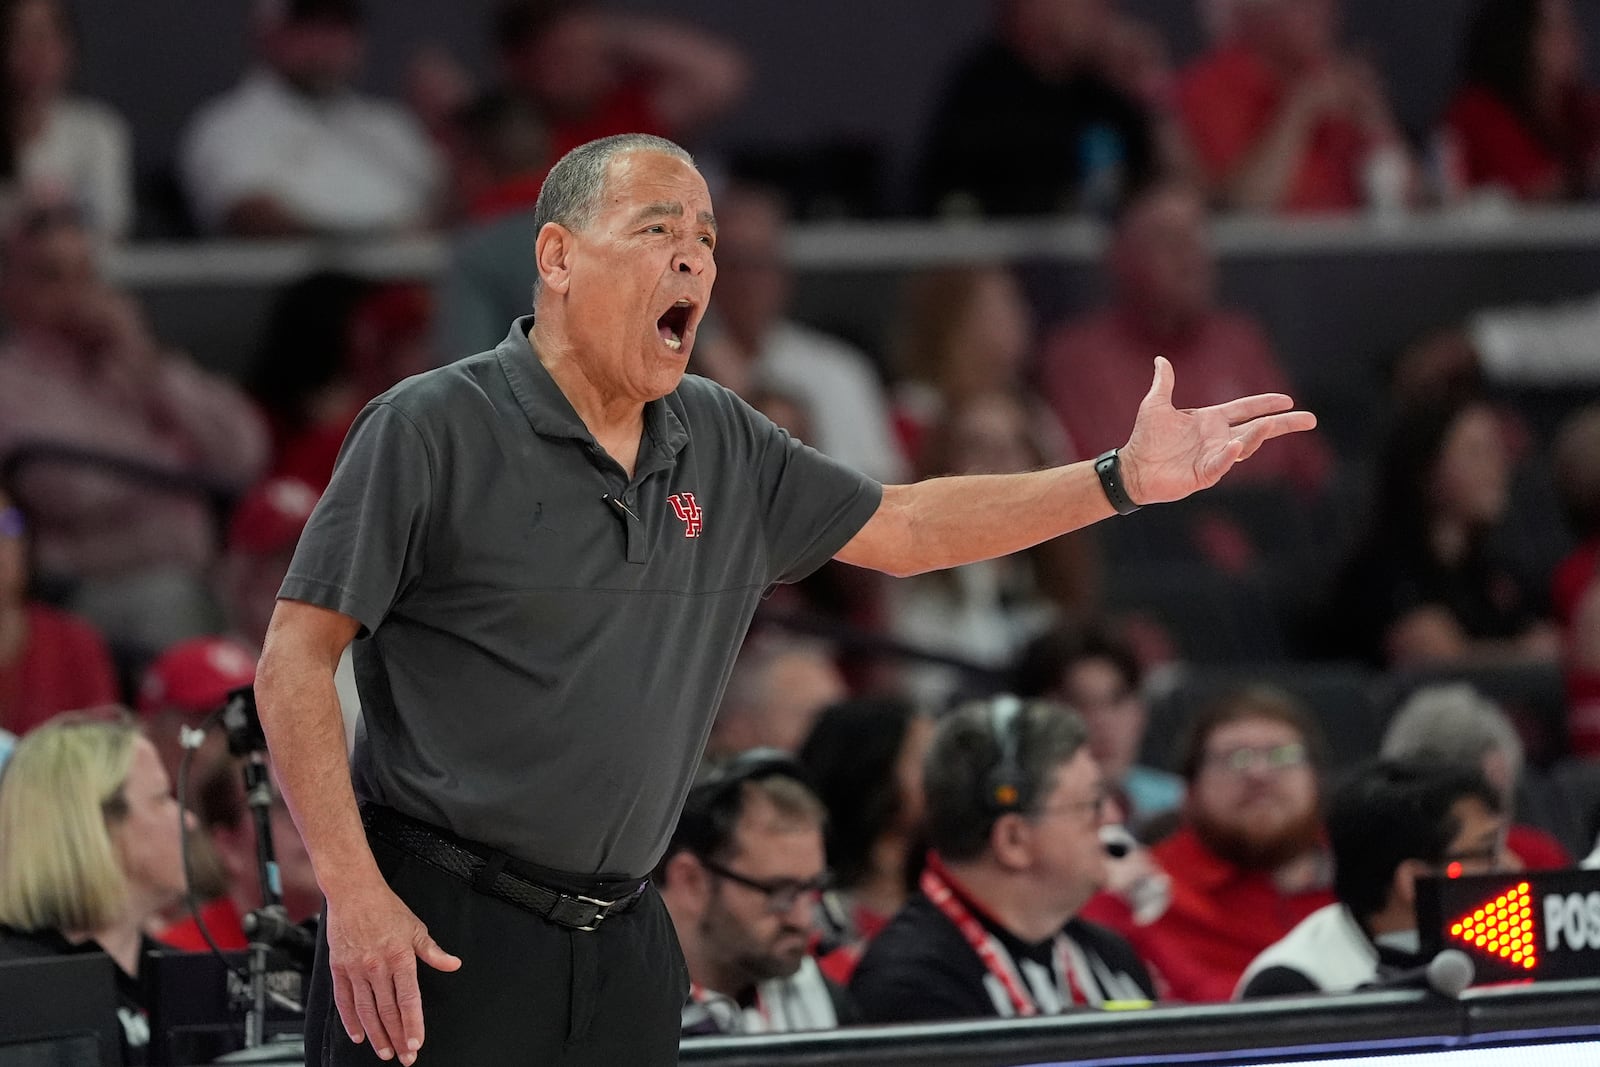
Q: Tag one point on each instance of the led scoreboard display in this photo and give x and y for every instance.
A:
(1527, 925)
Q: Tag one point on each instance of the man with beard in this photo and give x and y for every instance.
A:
(1015, 806)
(1247, 862)
(741, 880)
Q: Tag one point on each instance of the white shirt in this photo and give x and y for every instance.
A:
(1328, 947)
(782, 1006)
(84, 151)
(1552, 345)
(841, 394)
(348, 163)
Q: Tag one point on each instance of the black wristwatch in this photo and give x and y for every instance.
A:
(1109, 467)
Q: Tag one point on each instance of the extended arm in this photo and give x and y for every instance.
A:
(946, 522)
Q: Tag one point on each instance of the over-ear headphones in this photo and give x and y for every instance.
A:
(1007, 785)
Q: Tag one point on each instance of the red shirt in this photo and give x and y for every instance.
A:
(627, 110)
(1537, 850)
(221, 919)
(1096, 369)
(1498, 148)
(64, 666)
(1229, 99)
(1219, 920)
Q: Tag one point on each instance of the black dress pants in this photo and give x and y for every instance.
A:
(529, 992)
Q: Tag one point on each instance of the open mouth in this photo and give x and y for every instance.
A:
(673, 325)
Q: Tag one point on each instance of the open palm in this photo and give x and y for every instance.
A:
(1173, 452)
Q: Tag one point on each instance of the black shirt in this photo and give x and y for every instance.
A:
(132, 1010)
(920, 968)
(545, 639)
(1019, 144)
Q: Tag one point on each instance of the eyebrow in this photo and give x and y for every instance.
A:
(674, 210)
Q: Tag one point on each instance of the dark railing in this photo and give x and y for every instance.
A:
(1288, 1028)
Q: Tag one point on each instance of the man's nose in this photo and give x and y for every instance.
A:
(692, 260)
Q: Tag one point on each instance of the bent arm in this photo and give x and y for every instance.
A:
(299, 709)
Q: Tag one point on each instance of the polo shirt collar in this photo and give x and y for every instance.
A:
(549, 411)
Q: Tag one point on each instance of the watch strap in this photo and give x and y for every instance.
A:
(1108, 465)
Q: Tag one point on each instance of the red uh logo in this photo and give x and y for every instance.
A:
(688, 511)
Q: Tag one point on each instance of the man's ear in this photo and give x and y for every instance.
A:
(552, 252)
(687, 877)
(1403, 887)
(1011, 841)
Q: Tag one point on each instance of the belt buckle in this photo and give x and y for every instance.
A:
(601, 910)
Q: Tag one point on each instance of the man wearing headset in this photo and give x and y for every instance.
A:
(1015, 805)
(741, 880)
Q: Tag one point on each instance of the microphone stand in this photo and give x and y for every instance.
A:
(258, 796)
(247, 742)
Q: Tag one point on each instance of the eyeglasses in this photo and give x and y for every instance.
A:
(782, 893)
(1082, 809)
(1241, 761)
(12, 525)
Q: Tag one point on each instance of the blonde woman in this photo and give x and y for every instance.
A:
(89, 851)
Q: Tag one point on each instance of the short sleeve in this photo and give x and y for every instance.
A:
(811, 505)
(363, 546)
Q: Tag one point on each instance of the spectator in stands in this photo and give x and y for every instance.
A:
(1031, 124)
(184, 685)
(1524, 121)
(262, 534)
(50, 661)
(959, 331)
(1575, 589)
(504, 156)
(333, 342)
(750, 341)
(592, 73)
(79, 368)
(865, 757)
(1095, 672)
(1427, 584)
(741, 878)
(778, 687)
(1283, 120)
(985, 613)
(228, 828)
(1015, 804)
(1139, 62)
(180, 690)
(77, 146)
(1389, 824)
(294, 149)
(89, 853)
(1457, 726)
(1247, 862)
(1096, 368)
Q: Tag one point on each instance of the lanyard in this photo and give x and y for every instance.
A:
(989, 949)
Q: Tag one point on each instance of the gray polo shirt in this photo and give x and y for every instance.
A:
(543, 641)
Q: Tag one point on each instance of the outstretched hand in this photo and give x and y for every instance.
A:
(1172, 453)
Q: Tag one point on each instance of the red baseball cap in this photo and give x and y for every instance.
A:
(196, 676)
(271, 516)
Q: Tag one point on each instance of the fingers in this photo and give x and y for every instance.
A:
(371, 1015)
(344, 999)
(1262, 430)
(1253, 407)
(407, 1019)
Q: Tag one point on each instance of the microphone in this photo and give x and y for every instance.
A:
(1447, 974)
(271, 926)
(1116, 841)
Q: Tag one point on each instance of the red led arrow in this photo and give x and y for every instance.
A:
(1502, 927)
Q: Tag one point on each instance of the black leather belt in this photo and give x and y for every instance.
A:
(486, 873)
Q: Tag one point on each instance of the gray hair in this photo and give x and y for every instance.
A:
(571, 193)
(1452, 723)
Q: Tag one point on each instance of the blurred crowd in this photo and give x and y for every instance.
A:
(1006, 789)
